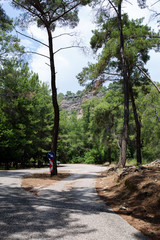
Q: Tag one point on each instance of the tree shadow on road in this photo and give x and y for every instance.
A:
(51, 215)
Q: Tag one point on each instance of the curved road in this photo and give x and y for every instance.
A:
(69, 209)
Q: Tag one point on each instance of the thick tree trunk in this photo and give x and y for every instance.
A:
(138, 126)
(55, 103)
(123, 153)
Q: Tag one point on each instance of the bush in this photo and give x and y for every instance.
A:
(77, 159)
(88, 158)
(95, 156)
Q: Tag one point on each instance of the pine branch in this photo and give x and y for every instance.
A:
(29, 10)
(64, 48)
(128, 2)
(42, 55)
(48, 64)
(31, 38)
(64, 34)
(148, 78)
(114, 74)
(65, 12)
(155, 3)
(113, 6)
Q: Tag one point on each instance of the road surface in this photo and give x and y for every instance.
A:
(69, 209)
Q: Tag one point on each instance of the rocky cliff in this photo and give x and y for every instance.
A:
(74, 102)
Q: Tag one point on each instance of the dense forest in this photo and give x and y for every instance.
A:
(95, 137)
(27, 116)
(26, 104)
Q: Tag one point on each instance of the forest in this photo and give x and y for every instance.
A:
(95, 137)
(123, 126)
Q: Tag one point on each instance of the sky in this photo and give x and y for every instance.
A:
(70, 62)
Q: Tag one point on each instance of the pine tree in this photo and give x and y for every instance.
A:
(48, 14)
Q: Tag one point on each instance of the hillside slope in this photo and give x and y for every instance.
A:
(134, 193)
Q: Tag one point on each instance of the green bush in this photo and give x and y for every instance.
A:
(95, 156)
(88, 158)
(77, 159)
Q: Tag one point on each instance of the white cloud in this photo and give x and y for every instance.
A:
(134, 11)
(37, 33)
(38, 65)
(60, 60)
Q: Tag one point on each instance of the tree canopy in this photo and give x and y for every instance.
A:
(137, 41)
(93, 135)
(9, 44)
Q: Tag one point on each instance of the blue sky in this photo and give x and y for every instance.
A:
(70, 62)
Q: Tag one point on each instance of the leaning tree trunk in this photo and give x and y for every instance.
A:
(138, 126)
(55, 103)
(123, 152)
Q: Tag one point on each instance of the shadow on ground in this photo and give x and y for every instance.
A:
(50, 215)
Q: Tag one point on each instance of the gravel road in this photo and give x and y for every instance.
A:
(69, 209)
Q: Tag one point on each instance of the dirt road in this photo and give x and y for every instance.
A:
(69, 209)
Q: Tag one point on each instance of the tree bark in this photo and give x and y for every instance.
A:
(54, 101)
(109, 155)
(138, 127)
(123, 152)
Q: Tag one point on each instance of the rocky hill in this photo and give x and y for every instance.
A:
(74, 101)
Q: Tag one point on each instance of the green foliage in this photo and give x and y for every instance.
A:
(26, 124)
(27, 115)
(89, 158)
(5, 22)
(80, 93)
(60, 97)
(76, 159)
(84, 139)
(95, 156)
(95, 138)
(151, 124)
(9, 44)
(26, 109)
(50, 13)
(70, 143)
(138, 40)
(114, 65)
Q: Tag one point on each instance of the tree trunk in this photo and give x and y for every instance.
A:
(55, 103)
(109, 155)
(123, 152)
(138, 126)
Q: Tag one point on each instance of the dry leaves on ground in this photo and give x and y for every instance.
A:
(35, 182)
(134, 193)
